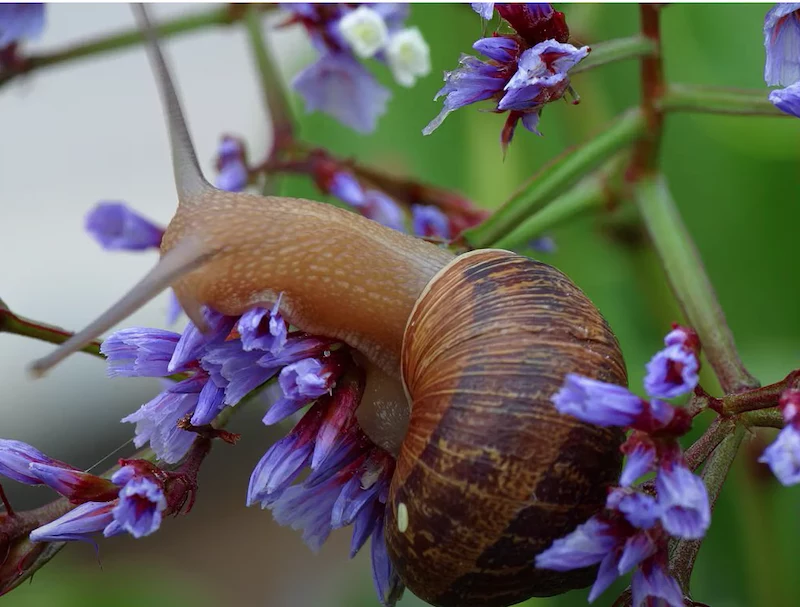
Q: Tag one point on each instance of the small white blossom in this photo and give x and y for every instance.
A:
(365, 31)
(409, 56)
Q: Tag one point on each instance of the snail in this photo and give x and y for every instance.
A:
(462, 354)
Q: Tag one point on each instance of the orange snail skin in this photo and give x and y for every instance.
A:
(461, 357)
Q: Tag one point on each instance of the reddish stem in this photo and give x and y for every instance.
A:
(6, 503)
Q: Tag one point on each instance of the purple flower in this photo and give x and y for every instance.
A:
(239, 372)
(309, 509)
(174, 309)
(387, 582)
(429, 222)
(157, 420)
(383, 209)
(484, 9)
(672, 372)
(139, 352)
(787, 100)
(597, 402)
(640, 510)
(641, 460)
(301, 383)
(139, 509)
(20, 21)
(543, 244)
(346, 187)
(233, 174)
(783, 456)
(587, 545)
(193, 342)
(75, 485)
(117, 228)
(76, 524)
(474, 80)
(683, 502)
(655, 583)
(338, 85)
(782, 43)
(262, 329)
(541, 76)
(16, 458)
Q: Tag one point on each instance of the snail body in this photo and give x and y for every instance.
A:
(471, 347)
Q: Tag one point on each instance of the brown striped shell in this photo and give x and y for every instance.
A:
(490, 473)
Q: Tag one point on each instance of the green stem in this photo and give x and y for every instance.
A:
(760, 398)
(611, 51)
(555, 178)
(689, 282)
(590, 194)
(714, 100)
(684, 555)
(122, 40)
(275, 94)
(765, 418)
(18, 325)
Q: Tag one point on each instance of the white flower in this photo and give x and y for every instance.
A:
(409, 56)
(365, 31)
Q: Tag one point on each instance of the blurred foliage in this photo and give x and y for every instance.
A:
(736, 181)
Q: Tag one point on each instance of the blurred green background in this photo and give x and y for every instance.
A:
(736, 181)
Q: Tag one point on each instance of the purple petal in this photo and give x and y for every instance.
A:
(597, 402)
(383, 209)
(346, 187)
(587, 545)
(174, 309)
(384, 576)
(498, 48)
(117, 228)
(340, 86)
(232, 177)
(637, 548)
(783, 456)
(308, 509)
(787, 100)
(76, 524)
(530, 120)
(639, 462)
(606, 574)
(16, 458)
(139, 352)
(683, 501)
(193, 342)
(140, 507)
(485, 10)
(640, 510)
(71, 483)
(671, 372)
(428, 221)
(276, 471)
(655, 583)
(365, 524)
(209, 403)
(20, 21)
(782, 44)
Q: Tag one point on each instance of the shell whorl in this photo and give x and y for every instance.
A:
(489, 472)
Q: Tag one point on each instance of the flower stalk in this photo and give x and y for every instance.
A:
(612, 51)
(19, 325)
(717, 100)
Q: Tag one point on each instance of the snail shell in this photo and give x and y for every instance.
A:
(490, 473)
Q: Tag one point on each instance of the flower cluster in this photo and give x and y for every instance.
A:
(524, 71)
(349, 477)
(134, 501)
(18, 22)
(337, 83)
(782, 43)
(783, 455)
(633, 531)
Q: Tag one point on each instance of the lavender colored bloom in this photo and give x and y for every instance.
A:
(233, 174)
(139, 510)
(783, 456)
(473, 81)
(76, 524)
(301, 383)
(73, 484)
(383, 209)
(387, 582)
(239, 372)
(587, 545)
(672, 372)
(655, 583)
(20, 21)
(117, 228)
(340, 86)
(597, 402)
(683, 502)
(157, 420)
(210, 401)
(193, 342)
(541, 75)
(606, 574)
(787, 100)
(309, 509)
(174, 309)
(640, 510)
(346, 187)
(16, 458)
(484, 9)
(782, 43)
(429, 221)
(543, 244)
(262, 329)
(139, 352)
(367, 521)
(637, 548)
(275, 472)
(640, 461)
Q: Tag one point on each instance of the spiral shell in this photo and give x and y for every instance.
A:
(490, 473)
